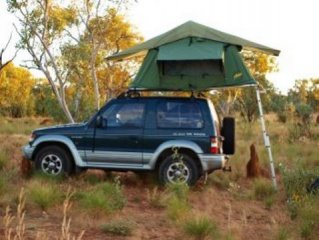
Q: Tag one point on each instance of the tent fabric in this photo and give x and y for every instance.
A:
(190, 49)
(191, 29)
(188, 70)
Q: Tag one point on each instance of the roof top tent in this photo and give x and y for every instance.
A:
(194, 57)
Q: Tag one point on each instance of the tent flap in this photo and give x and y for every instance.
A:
(174, 72)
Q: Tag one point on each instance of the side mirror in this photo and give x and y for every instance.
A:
(100, 122)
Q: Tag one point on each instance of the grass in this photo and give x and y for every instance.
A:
(156, 198)
(264, 191)
(282, 234)
(3, 159)
(121, 227)
(200, 228)
(106, 197)
(44, 194)
(298, 158)
(19, 125)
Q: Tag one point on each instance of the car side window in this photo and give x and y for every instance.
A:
(127, 115)
(174, 114)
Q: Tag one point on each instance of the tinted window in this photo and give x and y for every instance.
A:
(128, 115)
(179, 115)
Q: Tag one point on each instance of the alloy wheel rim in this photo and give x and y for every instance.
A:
(51, 164)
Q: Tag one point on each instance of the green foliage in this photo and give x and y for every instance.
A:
(200, 228)
(297, 180)
(3, 183)
(16, 84)
(309, 217)
(156, 198)
(177, 208)
(264, 191)
(3, 159)
(180, 190)
(44, 194)
(106, 197)
(304, 112)
(119, 227)
(282, 234)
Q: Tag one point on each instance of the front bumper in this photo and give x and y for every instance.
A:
(212, 162)
(28, 151)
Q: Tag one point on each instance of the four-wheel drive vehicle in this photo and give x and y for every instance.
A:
(180, 138)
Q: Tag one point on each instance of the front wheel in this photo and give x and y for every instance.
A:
(181, 170)
(54, 161)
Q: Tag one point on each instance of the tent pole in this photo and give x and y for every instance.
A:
(266, 138)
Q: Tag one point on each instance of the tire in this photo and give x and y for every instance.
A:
(228, 132)
(54, 161)
(168, 171)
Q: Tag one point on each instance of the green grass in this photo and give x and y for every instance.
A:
(44, 194)
(119, 227)
(177, 208)
(282, 234)
(200, 228)
(105, 197)
(156, 198)
(264, 191)
(18, 125)
(3, 159)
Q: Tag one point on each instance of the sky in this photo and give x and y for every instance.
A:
(290, 26)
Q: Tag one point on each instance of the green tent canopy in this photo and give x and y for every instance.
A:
(192, 57)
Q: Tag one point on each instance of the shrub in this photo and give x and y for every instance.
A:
(156, 198)
(44, 194)
(282, 234)
(309, 217)
(180, 190)
(200, 228)
(177, 208)
(119, 227)
(296, 181)
(106, 197)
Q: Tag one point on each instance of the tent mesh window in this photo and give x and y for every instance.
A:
(192, 68)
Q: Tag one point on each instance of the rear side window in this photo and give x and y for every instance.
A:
(174, 114)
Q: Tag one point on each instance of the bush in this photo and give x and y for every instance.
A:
(156, 198)
(44, 195)
(282, 234)
(119, 227)
(180, 190)
(177, 208)
(200, 228)
(296, 182)
(106, 197)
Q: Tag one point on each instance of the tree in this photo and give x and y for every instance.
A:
(2, 62)
(16, 85)
(259, 65)
(48, 27)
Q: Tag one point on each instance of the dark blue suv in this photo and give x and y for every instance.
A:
(180, 138)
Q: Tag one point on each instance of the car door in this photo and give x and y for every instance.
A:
(119, 141)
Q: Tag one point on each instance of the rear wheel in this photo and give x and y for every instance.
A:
(181, 170)
(54, 161)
